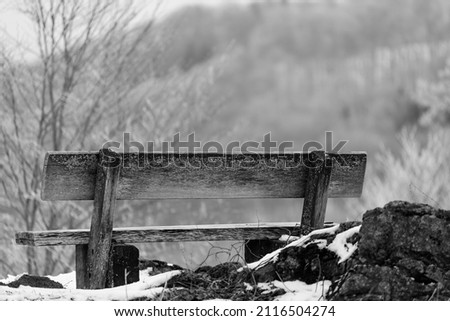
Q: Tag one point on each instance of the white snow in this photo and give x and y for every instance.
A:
(300, 291)
(11, 278)
(296, 290)
(66, 279)
(148, 286)
(288, 238)
(340, 246)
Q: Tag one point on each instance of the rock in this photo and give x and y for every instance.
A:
(34, 282)
(404, 230)
(374, 282)
(403, 254)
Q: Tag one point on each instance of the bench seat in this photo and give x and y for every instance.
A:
(174, 233)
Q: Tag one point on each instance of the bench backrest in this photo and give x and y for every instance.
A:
(72, 175)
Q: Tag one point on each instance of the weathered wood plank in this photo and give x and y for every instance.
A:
(176, 233)
(81, 264)
(317, 183)
(71, 176)
(100, 239)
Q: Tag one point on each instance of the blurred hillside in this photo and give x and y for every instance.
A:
(297, 70)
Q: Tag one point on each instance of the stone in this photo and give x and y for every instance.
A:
(34, 281)
(403, 254)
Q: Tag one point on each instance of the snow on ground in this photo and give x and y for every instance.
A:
(148, 286)
(300, 291)
(11, 278)
(296, 290)
(288, 238)
(66, 279)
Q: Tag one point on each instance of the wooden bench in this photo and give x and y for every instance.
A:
(105, 177)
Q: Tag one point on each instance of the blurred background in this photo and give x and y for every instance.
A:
(76, 74)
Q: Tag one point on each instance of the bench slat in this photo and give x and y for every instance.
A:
(180, 233)
(71, 176)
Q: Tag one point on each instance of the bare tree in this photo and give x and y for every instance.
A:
(75, 96)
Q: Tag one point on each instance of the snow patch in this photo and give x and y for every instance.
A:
(67, 280)
(288, 238)
(11, 278)
(297, 290)
(248, 286)
(149, 287)
(300, 291)
(341, 247)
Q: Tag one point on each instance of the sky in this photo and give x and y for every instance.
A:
(15, 27)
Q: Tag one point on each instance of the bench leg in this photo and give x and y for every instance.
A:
(100, 237)
(316, 192)
(81, 266)
(123, 267)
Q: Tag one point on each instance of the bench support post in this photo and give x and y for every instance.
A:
(100, 237)
(81, 251)
(316, 191)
